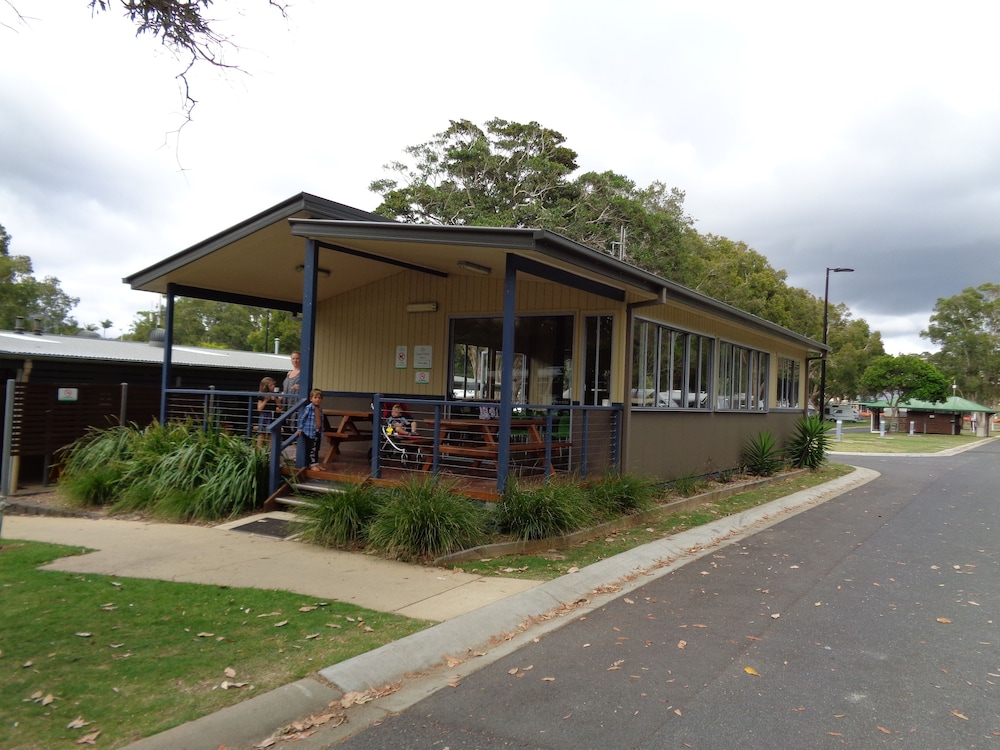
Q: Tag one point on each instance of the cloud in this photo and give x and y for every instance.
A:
(863, 137)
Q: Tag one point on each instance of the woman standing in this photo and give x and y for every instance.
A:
(291, 382)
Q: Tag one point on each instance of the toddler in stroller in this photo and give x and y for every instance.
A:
(399, 438)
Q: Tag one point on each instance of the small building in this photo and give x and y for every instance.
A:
(947, 417)
(63, 385)
(623, 370)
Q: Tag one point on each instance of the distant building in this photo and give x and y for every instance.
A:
(65, 384)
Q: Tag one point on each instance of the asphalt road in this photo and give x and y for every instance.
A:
(867, 622)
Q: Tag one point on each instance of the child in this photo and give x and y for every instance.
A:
(397, 424)
(267, 407)
(311, 427)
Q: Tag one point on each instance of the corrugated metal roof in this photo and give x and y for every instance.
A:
(48, 346)
(952, 403)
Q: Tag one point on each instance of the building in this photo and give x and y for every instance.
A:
(63, 385)
(647, 376)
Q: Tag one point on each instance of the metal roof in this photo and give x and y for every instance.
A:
(47, 346)
(952, 403)
(260, 260)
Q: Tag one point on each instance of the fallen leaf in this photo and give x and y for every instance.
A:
(78, 723)
(281, 624)
(513, 670)
(548, 679)
(83, 635)
(48, 699)
(206, 635)
(270, 614)
(229, 672)
(311, 636)
(308, 608)
(452, 661)
(960, 715)
(944, 620)
(682, 644)
(628, 601)
(883, 730)
(89, 739)
(751, 670)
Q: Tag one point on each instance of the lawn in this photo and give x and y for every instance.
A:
(128, 658)
(897, 442)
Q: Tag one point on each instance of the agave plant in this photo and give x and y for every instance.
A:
(808, 444)
(761, 454)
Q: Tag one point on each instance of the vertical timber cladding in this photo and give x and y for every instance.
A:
(357, 333)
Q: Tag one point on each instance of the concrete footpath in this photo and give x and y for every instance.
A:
(480, 619)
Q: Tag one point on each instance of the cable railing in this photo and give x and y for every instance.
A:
(459, 439)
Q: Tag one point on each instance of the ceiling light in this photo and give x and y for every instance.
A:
(325, 272)
(468, 265)
(418, 307)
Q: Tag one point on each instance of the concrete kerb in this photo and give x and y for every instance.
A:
(474, 640)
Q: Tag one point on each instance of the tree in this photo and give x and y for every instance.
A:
(903, 378)
(966, 327)
(181, 27)
(855, 347)
(24, 296)
(199, 322)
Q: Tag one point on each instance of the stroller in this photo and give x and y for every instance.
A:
(396, 448)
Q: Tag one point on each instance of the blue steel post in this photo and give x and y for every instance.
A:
(168, 348)
(506, 372)
(308, 349)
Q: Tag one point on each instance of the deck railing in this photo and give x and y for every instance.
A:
(456, 438)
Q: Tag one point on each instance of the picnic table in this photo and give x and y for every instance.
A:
(343, 426)
(477, 439)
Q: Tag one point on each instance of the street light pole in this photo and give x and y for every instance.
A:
(826, 323)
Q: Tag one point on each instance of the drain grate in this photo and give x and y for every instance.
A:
(276, 527)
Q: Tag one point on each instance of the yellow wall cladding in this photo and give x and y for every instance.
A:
(357, 333)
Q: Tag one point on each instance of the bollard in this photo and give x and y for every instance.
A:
(881, 429)
(840, 430)
(911, 428)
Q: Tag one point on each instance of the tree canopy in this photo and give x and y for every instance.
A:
(200, 322)
(24, 296)
(903, 378)
(966, 327)
(524, 175)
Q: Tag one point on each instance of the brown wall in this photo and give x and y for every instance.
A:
(672, 444)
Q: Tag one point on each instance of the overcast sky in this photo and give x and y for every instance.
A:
(858, 134)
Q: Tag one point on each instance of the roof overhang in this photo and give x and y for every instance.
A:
(260, 261)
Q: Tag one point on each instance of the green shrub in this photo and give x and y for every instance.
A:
(761, 455)
(340, 519)
(424, 519)
(557, 507)
(808, 444)
(689, 485)
(615, 495)
(178, 471)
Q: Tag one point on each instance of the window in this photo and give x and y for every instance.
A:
(597, 359)
(543, 359)
(789, 374)
(742, 378)
(671, 369)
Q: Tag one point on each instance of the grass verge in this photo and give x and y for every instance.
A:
(556, 562)
(129, 658)
(897, 442)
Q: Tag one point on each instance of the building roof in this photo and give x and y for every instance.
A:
(951, 404)
(48, 346)
(260, 260)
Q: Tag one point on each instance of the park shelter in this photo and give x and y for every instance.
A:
(662, 380)
(948, 417)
